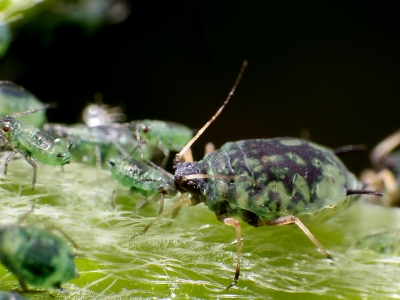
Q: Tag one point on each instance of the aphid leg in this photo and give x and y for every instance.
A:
(55, 228)
(176, 212)
(98, 156)
(27, 214)
(114, 197)
(181, 201)
(235, 223)
(188, 156)
(161, 204)
(140, 143)
(293, 219)
(33, 164)
(210, 147)
(166, 154)
(140, 204)
(9, 158)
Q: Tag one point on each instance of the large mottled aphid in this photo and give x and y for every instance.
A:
(266, 182)
(34, 144)
(36, 256)
(142, 179)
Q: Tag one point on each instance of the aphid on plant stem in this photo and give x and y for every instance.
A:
(33, 144)
(265, 182)
(36, 256)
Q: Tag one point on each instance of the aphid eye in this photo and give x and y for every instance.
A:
(164, 191)
(60, 155)
(6, 128)
(145, 129)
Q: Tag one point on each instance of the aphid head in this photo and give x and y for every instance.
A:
(7, 125)
(185, 184)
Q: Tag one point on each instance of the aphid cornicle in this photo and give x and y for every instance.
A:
(33, 144)
(36, 256)
(265, 182)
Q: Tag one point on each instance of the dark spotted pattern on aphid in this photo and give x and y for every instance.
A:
(278, 177)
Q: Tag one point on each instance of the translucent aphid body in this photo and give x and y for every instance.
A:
(14, 99)
(142, 179)
(162, 134)
(36, 256)
(34, 144)
(107, 141)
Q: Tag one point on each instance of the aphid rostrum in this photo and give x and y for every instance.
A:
(36, 256)
(34, 144)
(265, 182)
(14, 99)
(142, 179)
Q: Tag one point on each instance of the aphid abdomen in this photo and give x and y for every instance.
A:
(37, 256)
(142, 178)
(43, 147)
(284, 176)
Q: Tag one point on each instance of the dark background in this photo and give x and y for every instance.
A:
(331, 68)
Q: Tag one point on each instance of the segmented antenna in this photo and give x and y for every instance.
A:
(46, 106)
(178, 157)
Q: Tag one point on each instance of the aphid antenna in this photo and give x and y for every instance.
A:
(231, 177)
(350, 149)
(159, 168)
(178, 157)
(46, 106)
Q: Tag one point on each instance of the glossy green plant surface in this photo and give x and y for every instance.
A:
(193, 256)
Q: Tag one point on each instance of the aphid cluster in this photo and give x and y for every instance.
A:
(264, 182)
